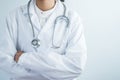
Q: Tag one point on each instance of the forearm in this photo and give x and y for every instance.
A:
(52, 65)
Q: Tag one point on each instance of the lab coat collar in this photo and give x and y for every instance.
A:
(50, 22)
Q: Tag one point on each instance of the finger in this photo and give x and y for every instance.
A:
(19, 51)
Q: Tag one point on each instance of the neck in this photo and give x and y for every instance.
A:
(45, 4)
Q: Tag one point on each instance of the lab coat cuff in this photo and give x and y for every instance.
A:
(22, 59)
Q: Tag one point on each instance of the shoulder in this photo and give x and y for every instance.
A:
(75, 20)
(74, 16)
(15, 13)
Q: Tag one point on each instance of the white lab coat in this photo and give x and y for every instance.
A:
(47, 63)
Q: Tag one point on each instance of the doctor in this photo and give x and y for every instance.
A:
(43, 40)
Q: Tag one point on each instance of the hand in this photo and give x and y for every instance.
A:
(17, 55)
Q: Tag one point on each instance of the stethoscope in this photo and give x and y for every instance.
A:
(36, 42)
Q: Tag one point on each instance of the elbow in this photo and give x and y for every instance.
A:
(75, 71)
(75, 74)
(78, 71)
(77, 67)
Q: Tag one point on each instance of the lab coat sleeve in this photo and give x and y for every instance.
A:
(60, 67)
(8, 50)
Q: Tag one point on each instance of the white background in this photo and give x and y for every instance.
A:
(101, 19)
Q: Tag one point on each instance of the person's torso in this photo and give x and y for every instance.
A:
(23, 33)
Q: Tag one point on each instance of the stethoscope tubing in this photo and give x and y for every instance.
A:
(58, 18)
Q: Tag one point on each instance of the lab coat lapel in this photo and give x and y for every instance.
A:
(47, 31)
(50, 22)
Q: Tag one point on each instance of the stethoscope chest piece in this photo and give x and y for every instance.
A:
(35, 43)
